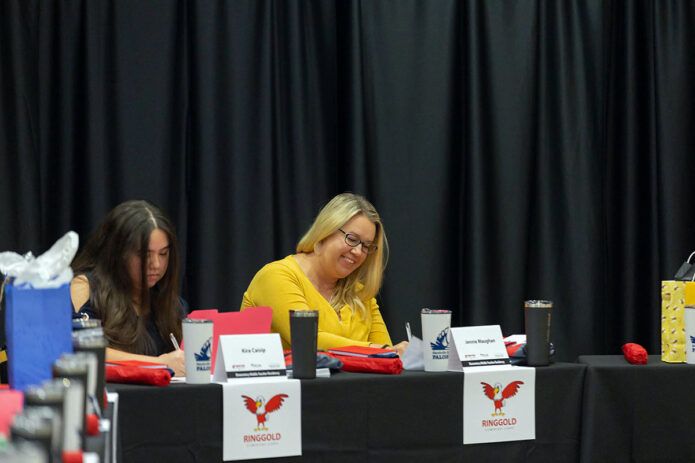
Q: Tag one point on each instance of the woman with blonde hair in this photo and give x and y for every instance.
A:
(337, 270)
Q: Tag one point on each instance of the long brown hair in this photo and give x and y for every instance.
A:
(125, 231)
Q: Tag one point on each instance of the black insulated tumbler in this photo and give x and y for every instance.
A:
(537, 320)
(304, 325)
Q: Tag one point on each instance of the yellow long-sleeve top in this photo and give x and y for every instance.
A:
(283, 286)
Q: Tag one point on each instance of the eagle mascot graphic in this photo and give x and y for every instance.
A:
(261, 408)
(498, 396)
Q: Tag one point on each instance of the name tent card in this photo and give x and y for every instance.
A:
(262, 418)
(252, 320)
(249, 356)
(477, 346)
(499, 404)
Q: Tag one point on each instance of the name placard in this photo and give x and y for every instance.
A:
(262, 418)
(477, 346)
(249, 356)
(499, 404)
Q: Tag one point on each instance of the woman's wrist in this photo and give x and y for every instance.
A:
(380, 346)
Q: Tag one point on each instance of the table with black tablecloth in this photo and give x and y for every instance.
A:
(414, 416)
(637, 412)
(179, 422)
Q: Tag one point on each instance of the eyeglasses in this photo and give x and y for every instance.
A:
(353, 241)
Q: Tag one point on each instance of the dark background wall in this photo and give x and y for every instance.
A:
(516, 150)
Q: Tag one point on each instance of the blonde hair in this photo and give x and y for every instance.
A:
(364, 283)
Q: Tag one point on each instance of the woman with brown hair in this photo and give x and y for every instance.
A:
(127, 276)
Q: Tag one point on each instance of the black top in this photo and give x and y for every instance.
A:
(158, 345)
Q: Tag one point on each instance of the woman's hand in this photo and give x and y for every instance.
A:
(401, 347)
(176, 361)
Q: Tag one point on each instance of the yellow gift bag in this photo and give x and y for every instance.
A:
(675, 295)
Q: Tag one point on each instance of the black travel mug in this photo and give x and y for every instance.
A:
(304, 326)
(537, 320)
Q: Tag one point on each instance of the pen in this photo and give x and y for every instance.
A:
(407, 330)
(173, 341)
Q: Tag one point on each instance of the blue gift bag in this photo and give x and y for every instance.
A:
(38, 329)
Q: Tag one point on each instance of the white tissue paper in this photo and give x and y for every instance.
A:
(50, 270)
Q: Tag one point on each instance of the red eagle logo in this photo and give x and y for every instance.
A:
(261, 408)
(498, 396)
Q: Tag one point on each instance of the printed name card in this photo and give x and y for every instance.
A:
(477, 346)
(262, 418)
(249, 356)
(499, 403)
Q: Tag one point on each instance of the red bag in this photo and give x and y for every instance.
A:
(137, 375)
(392, 366)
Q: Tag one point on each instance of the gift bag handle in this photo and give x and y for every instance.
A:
(690, 257)
(686, 268)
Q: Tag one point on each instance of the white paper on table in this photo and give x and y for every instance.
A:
(413, 356)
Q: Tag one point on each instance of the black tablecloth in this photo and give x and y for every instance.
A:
(180, 422)
(349, 417)
(637, 412)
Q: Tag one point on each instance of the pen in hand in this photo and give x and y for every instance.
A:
(173, 341)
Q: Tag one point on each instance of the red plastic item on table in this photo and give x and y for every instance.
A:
(634, 353)
(137, 375)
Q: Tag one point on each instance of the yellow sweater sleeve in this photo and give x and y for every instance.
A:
(282, 286)
(378, 334)
(275, 286)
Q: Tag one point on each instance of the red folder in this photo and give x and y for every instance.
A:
(252, 320)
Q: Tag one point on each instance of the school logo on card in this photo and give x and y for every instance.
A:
(499, 396)
(692, 342)
(261, 409)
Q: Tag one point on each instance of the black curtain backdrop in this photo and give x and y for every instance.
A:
(516, 150)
